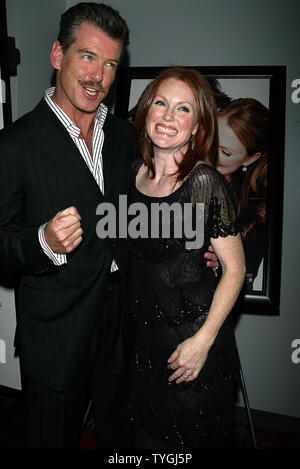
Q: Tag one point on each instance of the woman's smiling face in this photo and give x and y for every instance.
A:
(172, 116)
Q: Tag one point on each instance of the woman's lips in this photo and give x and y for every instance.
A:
(166, 130)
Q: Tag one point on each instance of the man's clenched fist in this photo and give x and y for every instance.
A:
(63, 233)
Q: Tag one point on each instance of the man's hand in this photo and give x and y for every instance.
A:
(212, 259)
(63, 233)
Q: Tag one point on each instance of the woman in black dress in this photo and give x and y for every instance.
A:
(184, 363)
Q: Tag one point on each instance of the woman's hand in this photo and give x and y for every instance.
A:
(188, 358)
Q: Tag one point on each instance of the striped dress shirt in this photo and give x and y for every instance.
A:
(94, 164)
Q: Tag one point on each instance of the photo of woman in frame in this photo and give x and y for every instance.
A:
(243, 128)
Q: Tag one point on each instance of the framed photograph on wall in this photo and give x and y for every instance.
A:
(263, 89)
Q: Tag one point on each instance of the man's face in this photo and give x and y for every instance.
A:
(86, 71)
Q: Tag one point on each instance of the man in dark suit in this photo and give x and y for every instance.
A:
(57, 163)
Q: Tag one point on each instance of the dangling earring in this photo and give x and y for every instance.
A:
(193, 144)
(244, 169)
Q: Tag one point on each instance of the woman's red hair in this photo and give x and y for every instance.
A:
(205, 140)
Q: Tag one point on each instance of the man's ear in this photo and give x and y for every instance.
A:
(56, 55)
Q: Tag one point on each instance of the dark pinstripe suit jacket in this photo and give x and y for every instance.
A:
(41, 173)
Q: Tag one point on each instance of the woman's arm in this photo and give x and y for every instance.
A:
(191, 354)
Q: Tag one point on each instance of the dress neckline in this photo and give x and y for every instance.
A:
(175, 191)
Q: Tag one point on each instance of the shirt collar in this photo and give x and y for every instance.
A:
(71, 127)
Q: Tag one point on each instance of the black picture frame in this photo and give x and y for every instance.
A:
(5, 93)
(271, 82)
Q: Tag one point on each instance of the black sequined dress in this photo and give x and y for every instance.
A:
(172, 289)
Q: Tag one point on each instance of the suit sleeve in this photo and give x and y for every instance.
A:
(20, 250)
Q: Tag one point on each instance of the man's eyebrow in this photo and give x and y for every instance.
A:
(86, 51)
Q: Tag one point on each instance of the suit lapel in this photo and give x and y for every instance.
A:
(68, 155)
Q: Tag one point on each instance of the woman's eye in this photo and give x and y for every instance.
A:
(184, 109)
(226, 153)
(159, 102)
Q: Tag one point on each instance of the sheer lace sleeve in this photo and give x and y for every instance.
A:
(209, 186)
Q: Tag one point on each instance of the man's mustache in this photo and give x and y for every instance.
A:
(92, 84)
